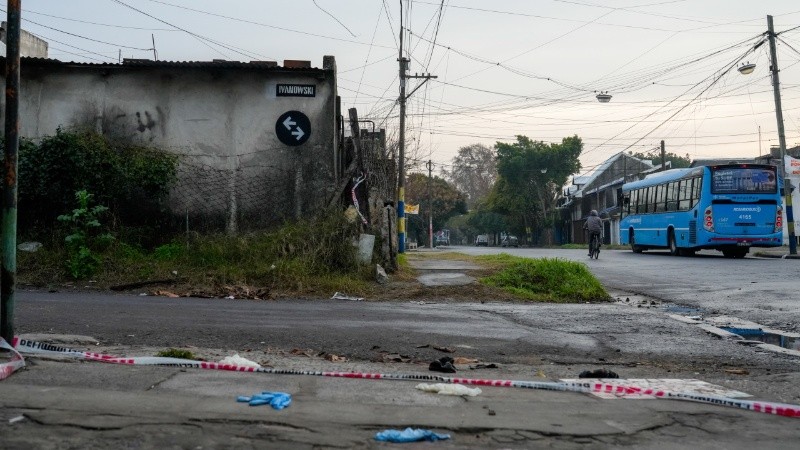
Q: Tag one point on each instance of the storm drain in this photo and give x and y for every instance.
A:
(759, 335)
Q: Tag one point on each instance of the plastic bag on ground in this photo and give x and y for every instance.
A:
(449, 389)
(409, 435)
(237, 360)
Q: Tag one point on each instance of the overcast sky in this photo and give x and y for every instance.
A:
(504, 67)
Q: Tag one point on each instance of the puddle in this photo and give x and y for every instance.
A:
(754, 334)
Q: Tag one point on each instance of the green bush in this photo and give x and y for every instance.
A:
(85, 236)
(133, 181)
(545, 279)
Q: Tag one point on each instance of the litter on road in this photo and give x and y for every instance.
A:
(278, 400)
(449, 389)
(444, 365)
(341, 296)
(237, 360)
(409, 435)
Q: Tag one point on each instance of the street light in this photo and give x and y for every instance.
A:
(746, 69)
(603, 97)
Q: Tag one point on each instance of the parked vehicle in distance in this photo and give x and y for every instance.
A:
(730, 208)
(510, 241)
(441, 237)
(482, 240)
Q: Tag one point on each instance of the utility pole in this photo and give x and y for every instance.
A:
(430, 204)
(8, 272)
(787, 191)
(401, 166)
(663, 158)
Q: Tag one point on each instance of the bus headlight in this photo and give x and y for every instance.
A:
(708, 220)
(779, 219)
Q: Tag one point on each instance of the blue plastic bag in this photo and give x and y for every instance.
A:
(409, 435)
(278, 400)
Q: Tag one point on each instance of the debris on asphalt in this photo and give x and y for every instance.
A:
(300, 352)
(444, 364)
(166, 294)
(449, 389)
(342, 296)
(484, 366)
(598, 373)
(444, 349)
(423, 346)
(335, 358)
(278, 400)
(237, 360)
(395, 357)
(463, 360)
(738, 371)
(14, 420)
(409, 435)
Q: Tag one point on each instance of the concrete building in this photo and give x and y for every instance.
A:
(29, 45)
(601, 191)
(258, 142)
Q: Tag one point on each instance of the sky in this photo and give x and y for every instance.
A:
(503, 68)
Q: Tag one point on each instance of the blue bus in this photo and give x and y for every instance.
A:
(729, 208)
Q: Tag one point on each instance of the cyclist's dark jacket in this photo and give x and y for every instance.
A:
(593, 224)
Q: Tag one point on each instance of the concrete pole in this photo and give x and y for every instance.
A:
(787, 191)
(8, 273)
(663, 158)
(401, 167)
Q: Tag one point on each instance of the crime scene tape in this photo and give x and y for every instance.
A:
(780, 409)
(17, 361)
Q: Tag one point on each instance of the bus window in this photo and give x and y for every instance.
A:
(697, 182)
(661, 197)
(684, 194)
(634, 201)
(672, 196)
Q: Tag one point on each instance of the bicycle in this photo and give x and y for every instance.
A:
(594, 246)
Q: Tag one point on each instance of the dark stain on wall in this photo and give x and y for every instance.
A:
(147, 124)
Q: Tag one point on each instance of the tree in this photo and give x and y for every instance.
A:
(654, 156)
(447, 202)
(531, 174)
(473, 172)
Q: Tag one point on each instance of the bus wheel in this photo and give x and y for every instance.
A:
(634, 248)
(673, 247)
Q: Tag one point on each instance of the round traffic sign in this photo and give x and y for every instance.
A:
(293, 128)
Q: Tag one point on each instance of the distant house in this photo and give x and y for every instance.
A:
(600, 191)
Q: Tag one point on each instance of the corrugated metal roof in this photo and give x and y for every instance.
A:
(216, 64)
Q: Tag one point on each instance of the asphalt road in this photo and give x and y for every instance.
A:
(763, 290)
(93, 405)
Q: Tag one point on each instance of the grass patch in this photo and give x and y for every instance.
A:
(308, 258)
(544, 280)
(176, 353)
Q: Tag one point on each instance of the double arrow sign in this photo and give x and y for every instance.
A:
(298, 132)
(293, 128)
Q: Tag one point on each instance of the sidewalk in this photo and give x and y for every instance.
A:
(774, 252)
(80, 404)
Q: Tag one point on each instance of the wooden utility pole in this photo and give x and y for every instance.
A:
(401, 166)
(8, 272)
(663, 158)
(787, 187)
(430, 204)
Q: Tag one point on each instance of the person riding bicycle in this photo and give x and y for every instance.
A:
(594, 224)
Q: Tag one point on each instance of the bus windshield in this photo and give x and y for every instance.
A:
(743, 180)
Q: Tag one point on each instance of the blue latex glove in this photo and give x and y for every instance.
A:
(278, 400)
(409, 435)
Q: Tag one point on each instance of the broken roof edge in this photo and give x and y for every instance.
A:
(329, 64)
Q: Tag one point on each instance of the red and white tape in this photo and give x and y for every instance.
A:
(780, 409)
(16, 362)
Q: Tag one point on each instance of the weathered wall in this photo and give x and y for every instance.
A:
(221, 121)
(29, 45)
